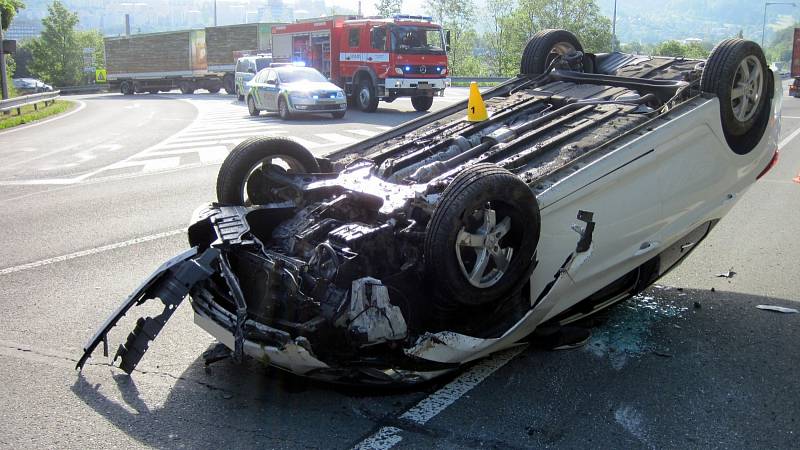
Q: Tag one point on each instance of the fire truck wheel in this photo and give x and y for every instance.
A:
(422, 103)
(251, 107)
(338, 115)
(366, 98)
(283, 109)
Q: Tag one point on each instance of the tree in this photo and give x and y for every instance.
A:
(501, 59)
(670, 48)
(389, 7)
(694, 50)
(9, 9)
(56, 53)
(457, 16)
(581, 17)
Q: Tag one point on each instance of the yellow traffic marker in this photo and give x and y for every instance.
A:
(476, 110)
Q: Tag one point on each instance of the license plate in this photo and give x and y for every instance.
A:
(423, 85)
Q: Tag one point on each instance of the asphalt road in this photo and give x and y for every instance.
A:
(95, 200)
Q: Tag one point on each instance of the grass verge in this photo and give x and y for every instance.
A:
(29, 114)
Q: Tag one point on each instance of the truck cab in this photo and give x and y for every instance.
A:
(373, 58)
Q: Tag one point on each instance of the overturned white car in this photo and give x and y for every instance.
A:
(441, 241)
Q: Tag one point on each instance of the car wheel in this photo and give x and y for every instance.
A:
(126, 88)
(152, 91)
(251, 107)
(213, 90)
(736, 72)
(366, 98)
(229, 84)
(186, 88)
(240, 180)
(482, 236)
(338, 115)
(422, 103)
(283, 109)
(546, 45)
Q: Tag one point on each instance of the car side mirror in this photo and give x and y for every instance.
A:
(272, 82)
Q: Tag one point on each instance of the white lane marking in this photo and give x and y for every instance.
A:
(91, 251)
(788, 138)
(429, 407)
(160, 164)
(383, 439)
(194, 139)
(81, 105)
(789, 117)
(336, 138)
(360, 132)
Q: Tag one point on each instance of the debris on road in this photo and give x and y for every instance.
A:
(729, 274)
(779, 309)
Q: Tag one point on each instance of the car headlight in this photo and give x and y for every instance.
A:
(340, 94)
(398, 70)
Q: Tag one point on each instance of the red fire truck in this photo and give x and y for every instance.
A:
(373, 58)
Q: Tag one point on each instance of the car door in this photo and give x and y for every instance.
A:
(271, 90)
(256, 88)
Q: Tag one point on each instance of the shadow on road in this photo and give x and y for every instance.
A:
(669, 368)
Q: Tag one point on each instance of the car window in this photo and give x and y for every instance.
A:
(378, 38)
(272, 75)
(354, 37)
(294, 74)
(263, 63)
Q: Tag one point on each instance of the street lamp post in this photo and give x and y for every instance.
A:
(3, 78)
(614, 28)
(764, 23)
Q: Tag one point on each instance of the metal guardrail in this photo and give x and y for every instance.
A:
(478, 79)
(25, 100)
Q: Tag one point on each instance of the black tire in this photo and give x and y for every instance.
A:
(229, 84)
(239, 165)
(539, 51)
(251, 107)
(186, 88)
(365, 96)
(422, 103)
(152, 91)
(283, 109)
(338, 115)
(721, 72)
(213, 90)
(473, 189)
(126, 88)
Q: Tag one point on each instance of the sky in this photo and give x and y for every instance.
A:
(368, 6)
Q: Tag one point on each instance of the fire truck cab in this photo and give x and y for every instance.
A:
(373, 58)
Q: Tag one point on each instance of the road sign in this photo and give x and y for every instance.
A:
(9, 46)
(100, 76)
